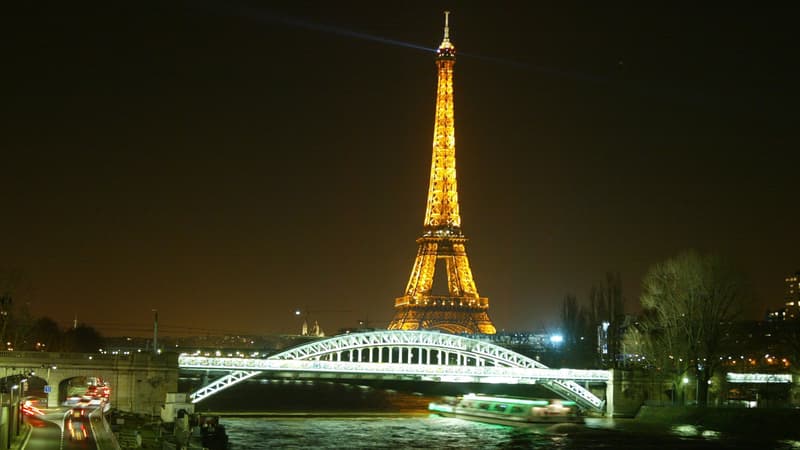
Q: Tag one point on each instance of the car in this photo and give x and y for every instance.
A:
(104, 391)
(77, 430)
(29, 409)
(78, 413)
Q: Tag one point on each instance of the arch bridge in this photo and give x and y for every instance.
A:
(138, 381)
(403, 355)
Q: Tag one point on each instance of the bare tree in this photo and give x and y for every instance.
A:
(690, 303)
(5, 311)
(607, 306)
(578, 348)
(15, 293)
(46, 335)
(573, 319)
(656, 346)
(83, 339)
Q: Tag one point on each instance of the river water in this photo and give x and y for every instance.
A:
(335, 416)
(447, 433)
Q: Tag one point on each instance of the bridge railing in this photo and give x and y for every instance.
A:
(60, 356)
(487, 352)
(35, 360)
(509, 374)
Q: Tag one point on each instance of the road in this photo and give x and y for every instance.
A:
(67, 429)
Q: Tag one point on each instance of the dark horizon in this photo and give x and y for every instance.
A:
(229, 163)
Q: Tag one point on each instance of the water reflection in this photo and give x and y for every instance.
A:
(685, 430)
(330, 415)
(448, 433)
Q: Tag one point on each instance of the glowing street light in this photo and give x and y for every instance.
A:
(556, 339)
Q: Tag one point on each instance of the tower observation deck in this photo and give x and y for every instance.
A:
(462, 309)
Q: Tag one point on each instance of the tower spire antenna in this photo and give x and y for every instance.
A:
(447, 25)
(446, 48)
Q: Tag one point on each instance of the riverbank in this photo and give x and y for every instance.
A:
(689, 422)
(778, 423)
(126, 427)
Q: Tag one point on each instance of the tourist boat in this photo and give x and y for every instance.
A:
(508, 410)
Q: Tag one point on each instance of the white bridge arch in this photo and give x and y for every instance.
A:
(406, 355)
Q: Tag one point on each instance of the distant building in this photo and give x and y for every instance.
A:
(537, 341)
(315, 331)
(793, 289)
(791, 300)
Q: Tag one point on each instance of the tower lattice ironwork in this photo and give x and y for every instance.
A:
(462, 309)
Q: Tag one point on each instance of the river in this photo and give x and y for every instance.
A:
(447, 433)
(334, 416)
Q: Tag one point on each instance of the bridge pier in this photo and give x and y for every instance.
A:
(52, 397)
(627, 390)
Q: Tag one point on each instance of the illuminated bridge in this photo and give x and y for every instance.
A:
(403, 355)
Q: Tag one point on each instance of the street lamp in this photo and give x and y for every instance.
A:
(304, 326)
(48, 371)
(15, 405)
(155, 331)
(684, 381)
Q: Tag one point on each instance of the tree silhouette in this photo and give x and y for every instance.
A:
(83, 339)
(46, 335)
(690, 302)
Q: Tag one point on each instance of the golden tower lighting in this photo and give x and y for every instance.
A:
(462, 309)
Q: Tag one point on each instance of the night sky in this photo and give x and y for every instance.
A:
(227, 162)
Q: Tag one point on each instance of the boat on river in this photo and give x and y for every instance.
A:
(508, 410)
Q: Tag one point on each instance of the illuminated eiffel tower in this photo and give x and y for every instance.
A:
(462, 310)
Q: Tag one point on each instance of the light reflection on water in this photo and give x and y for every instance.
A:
(389, 432)
(437, 432)
(384, 419)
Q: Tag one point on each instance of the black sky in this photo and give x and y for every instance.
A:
(227, 162)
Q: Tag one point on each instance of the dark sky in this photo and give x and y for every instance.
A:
(228, 162)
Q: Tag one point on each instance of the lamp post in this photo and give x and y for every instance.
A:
(697, 391)
(303, 328)
(698, 372)
(14, 412)
(155, 331)
(685, 381)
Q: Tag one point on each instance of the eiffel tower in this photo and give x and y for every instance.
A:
(462, 310)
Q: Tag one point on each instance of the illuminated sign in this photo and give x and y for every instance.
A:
(759, 377)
